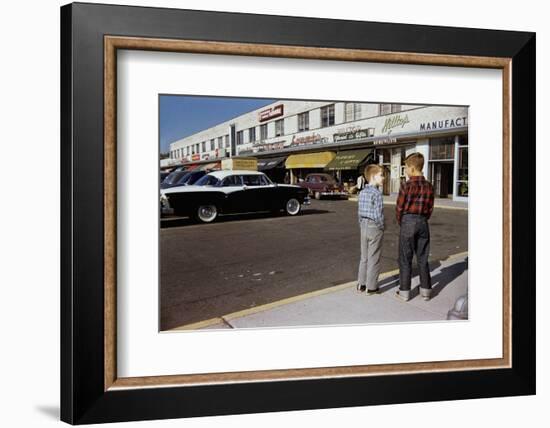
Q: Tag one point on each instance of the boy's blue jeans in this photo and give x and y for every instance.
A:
(414, 238)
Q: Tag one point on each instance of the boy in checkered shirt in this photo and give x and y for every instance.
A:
(371, 222)
(413, 209)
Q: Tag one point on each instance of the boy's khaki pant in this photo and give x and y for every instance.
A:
(371, 249)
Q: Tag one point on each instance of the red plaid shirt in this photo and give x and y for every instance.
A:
(416, 196)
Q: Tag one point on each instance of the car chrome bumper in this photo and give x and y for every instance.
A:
(334, 194)
(307, 201)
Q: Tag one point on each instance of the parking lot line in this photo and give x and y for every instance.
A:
(224, 319)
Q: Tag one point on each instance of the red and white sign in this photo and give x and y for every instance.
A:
(271, 113)
(196, 157)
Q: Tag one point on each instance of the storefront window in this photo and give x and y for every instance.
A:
(462, 182)
(442, 148)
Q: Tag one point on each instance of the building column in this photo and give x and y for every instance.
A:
(423, 146)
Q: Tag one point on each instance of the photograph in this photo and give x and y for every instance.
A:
(302, 213)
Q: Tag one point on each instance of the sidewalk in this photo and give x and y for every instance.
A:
(342, 304)
(439, 202)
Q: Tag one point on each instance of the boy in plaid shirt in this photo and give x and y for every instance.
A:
(371, 222)
(413, 209)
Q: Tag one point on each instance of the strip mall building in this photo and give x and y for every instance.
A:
(293, 138)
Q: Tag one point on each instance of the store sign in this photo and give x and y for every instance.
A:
(265, 147)
(387, 140)
(249, 164)
(398, 121)
(444, 124)
(354, 135)
(271, 113)
(307, 140)
(206, 156)
(196, 157)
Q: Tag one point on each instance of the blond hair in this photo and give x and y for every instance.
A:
(415, 160)
(372, 170)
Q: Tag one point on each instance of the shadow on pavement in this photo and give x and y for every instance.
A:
(444, 277)
(447, 275)
(166, 223)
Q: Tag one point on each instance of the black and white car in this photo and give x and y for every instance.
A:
(232, 192)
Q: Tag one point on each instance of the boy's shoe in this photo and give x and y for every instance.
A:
(426, 293)
(404, 295)
(361, 288)
(371, 292)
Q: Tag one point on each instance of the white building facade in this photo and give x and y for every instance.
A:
(340, 137)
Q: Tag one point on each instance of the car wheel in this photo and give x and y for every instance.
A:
(317, 195)
(292, 206)
(206, 213)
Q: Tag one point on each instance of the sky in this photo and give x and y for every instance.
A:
(183, 115)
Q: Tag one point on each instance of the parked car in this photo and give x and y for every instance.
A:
(182, 178)
(320, 184)
(232, 192)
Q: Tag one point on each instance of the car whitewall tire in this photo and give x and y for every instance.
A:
(292, 206)
(207, 213)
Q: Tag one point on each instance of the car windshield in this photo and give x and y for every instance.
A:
(192, 177)
(207, 180)
(174, 177)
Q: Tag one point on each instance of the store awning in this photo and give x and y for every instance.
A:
(212, 165)
(348, 159)
(191, 167)
(309, 160)
(270, 163)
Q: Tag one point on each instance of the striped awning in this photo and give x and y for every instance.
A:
(212, 165)
(309, 160)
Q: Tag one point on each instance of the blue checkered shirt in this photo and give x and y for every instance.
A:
(371, 205)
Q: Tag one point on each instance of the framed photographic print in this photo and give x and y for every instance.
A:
(266, 213)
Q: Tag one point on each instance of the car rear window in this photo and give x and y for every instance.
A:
(252, 180)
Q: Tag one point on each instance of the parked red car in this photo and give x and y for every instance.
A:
(320, 185)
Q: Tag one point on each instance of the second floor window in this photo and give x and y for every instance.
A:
(240, 139)
(212, 144)
(227, 141)
(203, 146)
(303, 121)
(327, 116)
(353, 112)
(263, 131)
(220, 142)
(279, 127)
(389, 108)
(252, 134)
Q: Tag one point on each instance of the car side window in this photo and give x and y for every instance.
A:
(252, 180)
(232, 180)
(264, 181)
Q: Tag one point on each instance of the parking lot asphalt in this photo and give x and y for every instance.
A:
(239, 262)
